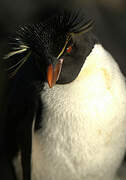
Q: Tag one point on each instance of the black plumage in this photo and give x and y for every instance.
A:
(33, 49)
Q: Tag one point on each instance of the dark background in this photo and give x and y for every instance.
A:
(110, 28)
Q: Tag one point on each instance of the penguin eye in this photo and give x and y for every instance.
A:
(69, 49)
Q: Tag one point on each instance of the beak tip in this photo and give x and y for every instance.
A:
(50, 85)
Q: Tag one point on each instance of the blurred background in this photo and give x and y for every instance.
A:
(110, 28)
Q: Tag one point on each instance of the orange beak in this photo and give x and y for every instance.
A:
(53, 73)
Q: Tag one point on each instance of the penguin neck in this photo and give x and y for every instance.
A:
(94, 62)
(94, 80)
(99, 76)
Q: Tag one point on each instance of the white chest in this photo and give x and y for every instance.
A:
(83, 134)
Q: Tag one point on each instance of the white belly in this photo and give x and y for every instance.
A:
(84, 124)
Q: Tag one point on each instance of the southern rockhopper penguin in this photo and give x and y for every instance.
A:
(67, 100)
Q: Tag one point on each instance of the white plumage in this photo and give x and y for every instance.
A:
(84, 124)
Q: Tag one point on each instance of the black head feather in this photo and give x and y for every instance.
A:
(52, 33)
(48, 37)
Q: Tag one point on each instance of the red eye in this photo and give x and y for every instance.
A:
(69, 49)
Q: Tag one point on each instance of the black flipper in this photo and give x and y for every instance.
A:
(26, 148)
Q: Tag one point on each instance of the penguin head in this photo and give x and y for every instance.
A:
(59, 45)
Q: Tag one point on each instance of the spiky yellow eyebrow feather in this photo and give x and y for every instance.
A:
(19, 50)
(83, 30)
(63, 49)
(21, 62)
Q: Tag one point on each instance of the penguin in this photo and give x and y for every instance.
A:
(67, 101)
